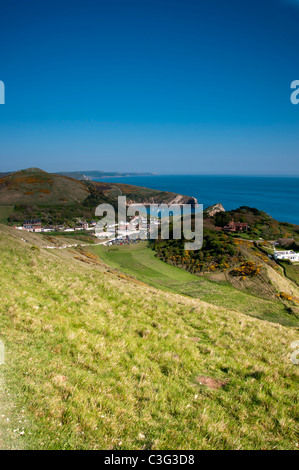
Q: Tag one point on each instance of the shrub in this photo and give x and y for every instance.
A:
(248, 268)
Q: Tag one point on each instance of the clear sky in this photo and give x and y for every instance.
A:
(166, 86)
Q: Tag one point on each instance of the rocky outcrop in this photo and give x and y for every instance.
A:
(212, 210)
(179, 199)
(169, 199)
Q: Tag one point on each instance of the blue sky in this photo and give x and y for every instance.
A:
(168, 86)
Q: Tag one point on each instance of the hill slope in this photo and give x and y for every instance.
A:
(57, 199)
(97, 360)
(261, 302)
(34, 186)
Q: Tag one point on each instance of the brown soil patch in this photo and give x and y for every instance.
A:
(214, 384)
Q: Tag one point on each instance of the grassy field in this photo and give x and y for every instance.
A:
(96, 360)
(140, 261)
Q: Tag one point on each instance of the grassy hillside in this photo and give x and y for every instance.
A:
(96, 360)
(36, 187)
(242, 263)
(5, 212)
(260, 224)
(140, 261)
(291, 271)
(61, 200)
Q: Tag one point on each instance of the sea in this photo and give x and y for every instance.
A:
(277, 196)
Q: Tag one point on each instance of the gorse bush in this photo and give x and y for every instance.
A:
(248, 268)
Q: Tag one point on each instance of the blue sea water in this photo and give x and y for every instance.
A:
(278, 196)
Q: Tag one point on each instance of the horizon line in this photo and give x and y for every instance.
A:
(122, 174)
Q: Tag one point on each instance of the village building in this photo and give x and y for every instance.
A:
(286, 255)
(59, 228)
(32, 226)
(103, 234)
(82, 225)
(233, 226)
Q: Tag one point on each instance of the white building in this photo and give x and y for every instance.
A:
(102, 234)
(287, 255)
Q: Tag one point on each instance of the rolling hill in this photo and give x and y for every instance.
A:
(96, 359)
(59, 199)
(36, 187)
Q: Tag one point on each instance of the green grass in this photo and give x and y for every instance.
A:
(5, 212)
(291, 271)
(83, 235)
(95, 360)
(141, 262)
